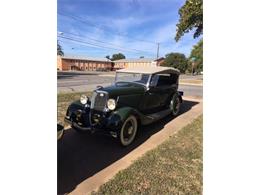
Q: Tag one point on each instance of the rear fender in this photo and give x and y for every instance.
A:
(180, 94)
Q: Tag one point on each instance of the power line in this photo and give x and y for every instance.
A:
(101, 46)
(108, 43)
(98, 27)
(88, 43)
(78, 46)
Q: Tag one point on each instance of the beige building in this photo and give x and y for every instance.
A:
(83, 63)
(140, 62)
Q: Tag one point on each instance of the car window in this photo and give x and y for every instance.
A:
(154, 80)
(164, 79)
(144, 79)
(132, 77)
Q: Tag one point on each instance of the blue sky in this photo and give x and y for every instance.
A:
(132, 27)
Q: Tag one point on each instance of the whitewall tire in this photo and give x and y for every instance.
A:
(128, 131)
(175, 105)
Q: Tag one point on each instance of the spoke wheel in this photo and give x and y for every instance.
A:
(128, 131)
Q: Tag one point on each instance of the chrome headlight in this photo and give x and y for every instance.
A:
(83, 99)
(111, 104)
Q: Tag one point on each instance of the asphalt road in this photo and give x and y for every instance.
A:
(87, 81)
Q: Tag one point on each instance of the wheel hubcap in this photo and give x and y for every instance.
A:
(130, 130)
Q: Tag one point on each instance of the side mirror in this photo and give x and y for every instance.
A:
(150, 88)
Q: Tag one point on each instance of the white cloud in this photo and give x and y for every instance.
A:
(110, 28)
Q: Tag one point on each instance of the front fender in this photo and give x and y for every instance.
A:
(117, 118)
(75, 109)
(74, 106)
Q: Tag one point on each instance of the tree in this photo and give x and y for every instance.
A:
(176, 60)
(196, 56)
(118, 56)
(191, 17)
(59, 50)
(108, 57)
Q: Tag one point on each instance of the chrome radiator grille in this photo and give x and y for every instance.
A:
(98, 100)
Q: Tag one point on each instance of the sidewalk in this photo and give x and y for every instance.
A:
(191, 81)
(190, 84)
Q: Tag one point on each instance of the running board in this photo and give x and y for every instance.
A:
(159, 115)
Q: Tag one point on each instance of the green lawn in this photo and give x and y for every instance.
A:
(64, 100)
(174, 167)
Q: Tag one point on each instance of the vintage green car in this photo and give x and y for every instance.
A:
(139, 96)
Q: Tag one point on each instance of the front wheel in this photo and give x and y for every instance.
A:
(175, 105)
(128, 131)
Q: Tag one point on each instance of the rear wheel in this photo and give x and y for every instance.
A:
(175, 105)
(128, 131)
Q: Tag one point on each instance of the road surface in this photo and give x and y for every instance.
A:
(87, 81)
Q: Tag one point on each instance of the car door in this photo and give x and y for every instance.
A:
(166, 93)
(168, 84)
(153, 96)
(160, 92)
(151, 100)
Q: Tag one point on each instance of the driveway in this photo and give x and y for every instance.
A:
(86, 161)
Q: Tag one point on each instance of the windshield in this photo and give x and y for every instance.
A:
(132, 77)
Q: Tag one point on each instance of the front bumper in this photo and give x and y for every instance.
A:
(75, 124)
(83, 121)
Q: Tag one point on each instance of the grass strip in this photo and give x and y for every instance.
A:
(174, 167)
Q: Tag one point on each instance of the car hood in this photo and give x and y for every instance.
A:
(125, 89)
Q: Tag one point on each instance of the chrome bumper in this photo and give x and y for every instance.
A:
(91, 129)
(67, 120)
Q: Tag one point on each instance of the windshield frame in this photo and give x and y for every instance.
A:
(146, 85)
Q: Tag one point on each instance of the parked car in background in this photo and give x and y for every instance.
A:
(139, 96)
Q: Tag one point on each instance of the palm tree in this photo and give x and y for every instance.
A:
(59, 50)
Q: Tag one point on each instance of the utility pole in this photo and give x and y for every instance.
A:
(158, 46)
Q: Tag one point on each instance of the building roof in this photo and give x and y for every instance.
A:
(86, 58)
(149, 70)
(137, 60)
